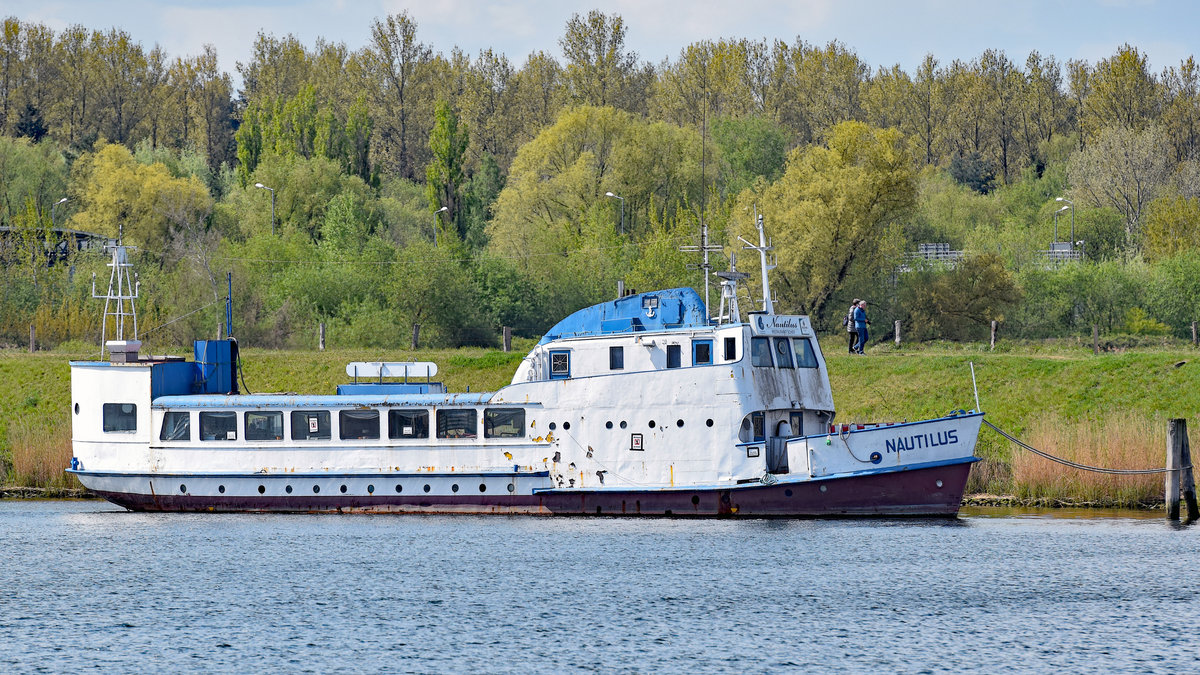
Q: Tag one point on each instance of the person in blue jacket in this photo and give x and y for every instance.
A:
(860, 325)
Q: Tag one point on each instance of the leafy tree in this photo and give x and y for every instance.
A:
(1124, 170)
(445, 177)
(1171, 226)
(831, 209)
(1123, 92)
(957, 303)
(600, 71)
(393, 64)
(29, 171)
(30, 124)
(751, 148)
(117, 194)
(974, 171)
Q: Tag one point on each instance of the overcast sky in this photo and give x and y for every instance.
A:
(882, 32)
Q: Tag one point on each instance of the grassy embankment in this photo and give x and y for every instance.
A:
(1108, 410)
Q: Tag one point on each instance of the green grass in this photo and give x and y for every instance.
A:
(1019, 384)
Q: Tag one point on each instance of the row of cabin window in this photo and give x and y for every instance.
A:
(315, 425)
(778, 352)
(702, 354)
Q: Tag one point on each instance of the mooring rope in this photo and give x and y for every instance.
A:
(1077, 465)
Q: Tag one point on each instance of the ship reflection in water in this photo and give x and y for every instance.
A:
(89, 586)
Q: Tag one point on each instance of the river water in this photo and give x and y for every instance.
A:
(85, 586)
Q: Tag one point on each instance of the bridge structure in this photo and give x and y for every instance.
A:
(58, 242)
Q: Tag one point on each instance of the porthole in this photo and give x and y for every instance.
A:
(553, 426)
(608, 425)
(262, 489)
(708, 423)
(288, 489)
(316, 489)
(399, 488)
(652, 425)
(787, 493)
(427, 487)
(454, 488)
(511, 487)
(343, 488)
(482, 487)
(221, 489)
(624, 424)
(823, 488)
(695, 500)
(183, 488)
(566, 426)
(939, 483)
(370, 489)
(679, 423)
(76, 408)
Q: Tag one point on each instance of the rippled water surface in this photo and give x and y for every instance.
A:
(85, 586)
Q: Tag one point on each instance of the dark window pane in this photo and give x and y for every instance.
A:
(358, 424)
(616, 358)
(701, 352)
(805, 356)
(408, 424)
(783, 353)
(310, 425)
(730, 349)
(504, 423)
(176, 426)
(120, 417)
(218, 426)
(264, 426)
(456, 424)
(674, 356)
(760, 352)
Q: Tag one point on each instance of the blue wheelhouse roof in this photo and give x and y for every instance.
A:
(660, 310)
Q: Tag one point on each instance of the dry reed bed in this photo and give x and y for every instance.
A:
(1118, 440)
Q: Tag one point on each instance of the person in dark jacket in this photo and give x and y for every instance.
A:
(860, 326)
(848, 322)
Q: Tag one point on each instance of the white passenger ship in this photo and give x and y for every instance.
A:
(642, 405)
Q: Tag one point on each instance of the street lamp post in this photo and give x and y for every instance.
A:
(264, 187)
(1071, 204)
(437, 220)
(1056, 224)
(609, 194)
(55, 208)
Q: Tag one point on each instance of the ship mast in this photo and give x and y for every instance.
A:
(762, 248)
(118, 301)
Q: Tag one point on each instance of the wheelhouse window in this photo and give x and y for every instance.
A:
(503, 423)
(760, 352)
(264, 426)
(358, 424)
(701, 352)
(730, 349)
(218, 426)
(805, 356)
(310, 425)
(408, 424)
(616, 358)
(783, 353)
(560, 365)
(176, 426)
(120, 417)
(457, 423)
(674, 356)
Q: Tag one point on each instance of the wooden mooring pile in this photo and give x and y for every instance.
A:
(1179, 475)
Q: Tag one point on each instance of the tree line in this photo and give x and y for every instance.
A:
(408, 185)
